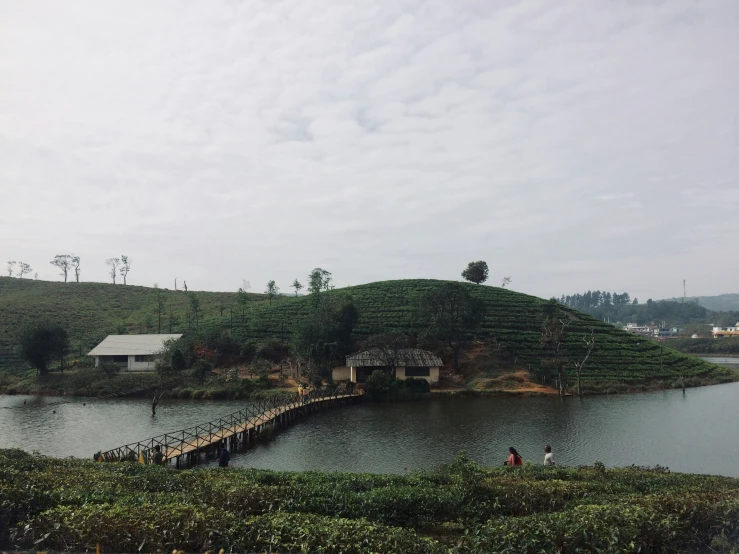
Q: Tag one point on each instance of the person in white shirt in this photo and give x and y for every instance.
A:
(548, 457)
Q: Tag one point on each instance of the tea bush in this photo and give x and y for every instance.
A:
(63, 505)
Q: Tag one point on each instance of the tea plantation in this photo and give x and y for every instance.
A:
(511, 326)
(74, 505)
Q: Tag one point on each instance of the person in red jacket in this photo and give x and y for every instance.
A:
(514, 459)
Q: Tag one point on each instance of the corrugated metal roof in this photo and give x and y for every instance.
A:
(408, 357)
(121, 345)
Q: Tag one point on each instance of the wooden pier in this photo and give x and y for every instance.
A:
(238, 430)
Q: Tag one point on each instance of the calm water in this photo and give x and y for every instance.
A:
(696, 432)
(721, 360)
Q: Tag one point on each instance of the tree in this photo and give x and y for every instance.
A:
(318, 280)
(325, 334)
(506, 282)
(113, 263)
(23, 269)
(451, 315)
(297, 286)
(195, 306)
(553, 335)
(241, 301)
(272, 290)
(476, 272)
(76, 266)
(43, 342)
(125, 267)
(160, 302)
(589, 341)
(63, 262)
(11, 268)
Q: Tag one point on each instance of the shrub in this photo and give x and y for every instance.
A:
(111, 369)
(379, 385)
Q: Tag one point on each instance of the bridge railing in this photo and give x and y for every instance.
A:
(175, 443)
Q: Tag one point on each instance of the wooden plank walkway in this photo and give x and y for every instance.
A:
(240, 429)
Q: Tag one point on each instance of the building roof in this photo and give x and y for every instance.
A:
(122, 345)
(408, 357)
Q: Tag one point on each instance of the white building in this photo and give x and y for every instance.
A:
(726, 331)
(131, 352)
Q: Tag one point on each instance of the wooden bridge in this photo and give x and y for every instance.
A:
(239, 429)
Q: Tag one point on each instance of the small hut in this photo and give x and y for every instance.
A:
(407, 363)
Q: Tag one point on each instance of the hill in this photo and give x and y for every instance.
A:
(507, 340)
(76, 505)
(718, 303)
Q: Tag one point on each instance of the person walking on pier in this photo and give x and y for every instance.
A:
(224, 456)
(158, 458)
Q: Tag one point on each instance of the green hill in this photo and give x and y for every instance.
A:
(718, 303)
(508, 338)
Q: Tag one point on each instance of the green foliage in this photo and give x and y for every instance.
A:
(110, 369)
(43, 342)
(73, 505)
(510, 325)
(450, 315)
(201, 369)
(379, 385)
(476, 272)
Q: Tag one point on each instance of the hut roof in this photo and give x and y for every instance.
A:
(408, 357)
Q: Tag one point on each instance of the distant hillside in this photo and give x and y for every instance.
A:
(718, 303)
(510, 330)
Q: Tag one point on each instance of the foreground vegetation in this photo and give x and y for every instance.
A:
(241, 328)
(75, 505)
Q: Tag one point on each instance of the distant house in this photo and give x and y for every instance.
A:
(409, 362)
(726, 331)
(131, 352)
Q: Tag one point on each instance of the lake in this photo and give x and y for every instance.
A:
(696, 432)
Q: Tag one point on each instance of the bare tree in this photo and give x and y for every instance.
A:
(76, 266)
(63, 262)
(506, 282)
(589, 341)
(23, 269)
(125, 267)
(241, 301)
(184, 284)
(272, 290)
(11, 268)
(297, 286)
(553, 335)
(113, 263)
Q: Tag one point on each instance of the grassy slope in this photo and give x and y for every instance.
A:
(75, 505)
(510, 330)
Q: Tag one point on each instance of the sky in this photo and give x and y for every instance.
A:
(573, 145)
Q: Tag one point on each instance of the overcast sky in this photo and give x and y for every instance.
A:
(573, 145)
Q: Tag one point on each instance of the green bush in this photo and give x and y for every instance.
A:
(73, 505)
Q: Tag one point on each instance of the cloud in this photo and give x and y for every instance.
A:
(570, 145)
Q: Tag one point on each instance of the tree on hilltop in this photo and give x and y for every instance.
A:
(113, 263)
(76, 266)
(11, 267)
(23, 269)
(43, 342)
(125, 267)
(63, 262)
(297, 286)
(272, 290)
(476, 272)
